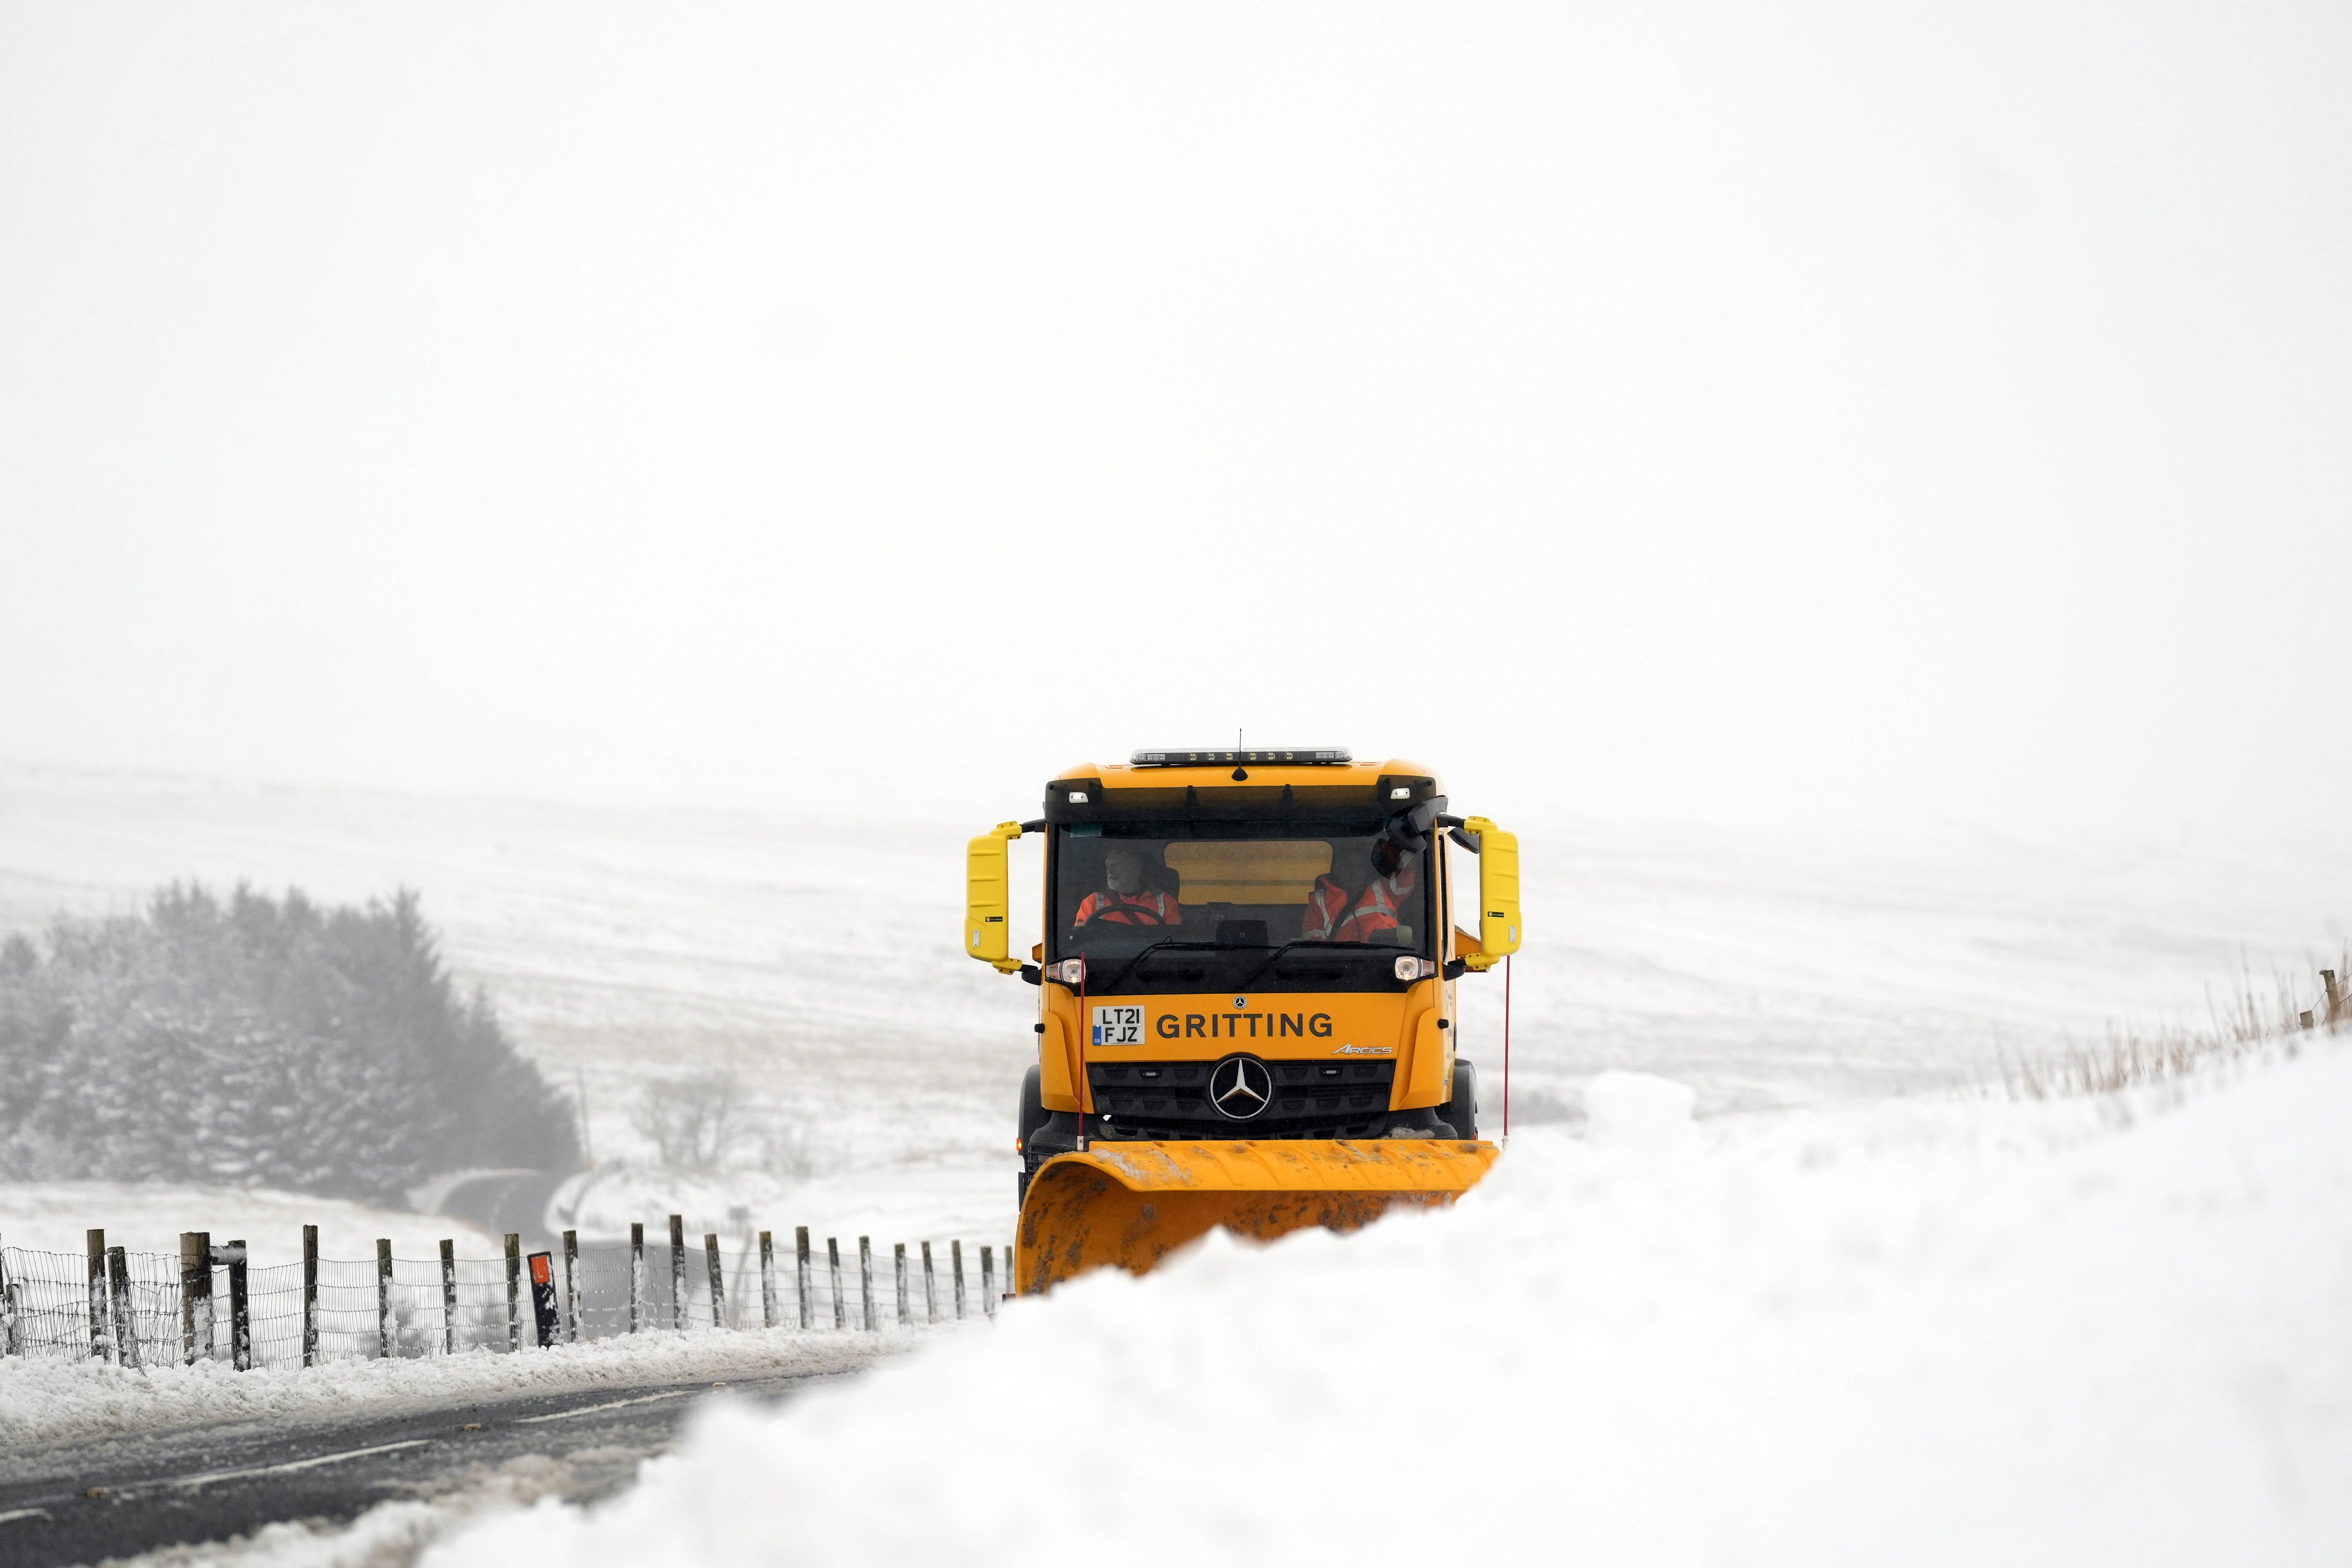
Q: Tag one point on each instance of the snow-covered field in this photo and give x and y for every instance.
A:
(623, 946)
(1923, 1332)
(54, 1217)
(812, 956)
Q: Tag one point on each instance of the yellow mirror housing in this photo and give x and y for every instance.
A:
(1499, 893)
(988, 898)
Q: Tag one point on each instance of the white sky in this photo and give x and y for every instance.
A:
(1807, 412)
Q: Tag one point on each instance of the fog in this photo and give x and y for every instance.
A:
(1815, 415)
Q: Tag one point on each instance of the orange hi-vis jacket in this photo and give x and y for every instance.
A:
(1132, 910)
(1380, 908)
(1326, 907)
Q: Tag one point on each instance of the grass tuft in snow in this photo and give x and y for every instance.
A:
(2257, 1024)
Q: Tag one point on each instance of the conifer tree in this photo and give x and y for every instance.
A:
(259, 1040)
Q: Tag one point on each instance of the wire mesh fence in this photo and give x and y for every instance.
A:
(150, 1308)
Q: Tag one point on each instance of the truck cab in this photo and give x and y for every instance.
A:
(1254, 945)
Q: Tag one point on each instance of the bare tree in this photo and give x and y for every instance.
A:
(785, 1150)
(692, 1120)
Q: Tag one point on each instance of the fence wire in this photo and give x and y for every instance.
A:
(52, 1305)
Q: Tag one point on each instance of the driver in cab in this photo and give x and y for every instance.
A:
(1129, 899)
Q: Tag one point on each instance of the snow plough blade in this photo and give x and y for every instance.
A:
(1128, 1205)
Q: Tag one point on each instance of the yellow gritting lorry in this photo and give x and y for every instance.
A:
(1246, 1005)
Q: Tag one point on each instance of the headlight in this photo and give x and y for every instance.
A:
(1414, 968)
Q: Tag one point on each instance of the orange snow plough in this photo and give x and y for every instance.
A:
(1246, 999)
(1130, 1205)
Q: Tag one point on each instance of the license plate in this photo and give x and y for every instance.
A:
(1118, 1026)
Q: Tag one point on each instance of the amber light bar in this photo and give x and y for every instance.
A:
(1325, 756)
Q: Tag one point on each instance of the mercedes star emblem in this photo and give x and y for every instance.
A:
(1240, 1087)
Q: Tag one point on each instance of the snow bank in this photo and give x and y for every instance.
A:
(1638, 1110)
(46, 1402)
(1921, 1333)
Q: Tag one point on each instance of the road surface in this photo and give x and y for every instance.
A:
(81, 1502)
(509, 1202)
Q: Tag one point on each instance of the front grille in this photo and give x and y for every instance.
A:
(1169, 1100)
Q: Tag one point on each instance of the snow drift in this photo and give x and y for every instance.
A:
(1924, 1331)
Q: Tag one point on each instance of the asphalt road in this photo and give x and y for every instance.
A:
(81, 1503)
(510, 1202)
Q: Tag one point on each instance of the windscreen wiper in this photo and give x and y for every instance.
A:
(1110, 986)
(1286, 947)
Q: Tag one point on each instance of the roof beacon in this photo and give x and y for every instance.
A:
(1325, 756)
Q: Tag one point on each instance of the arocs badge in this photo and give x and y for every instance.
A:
(1118, 1026)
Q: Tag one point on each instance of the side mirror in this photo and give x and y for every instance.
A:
(1499, 893)
(988, 899)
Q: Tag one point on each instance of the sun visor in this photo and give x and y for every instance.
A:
(1085, 800)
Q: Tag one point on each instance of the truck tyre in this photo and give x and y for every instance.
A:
(1461, 1112)
(1031, 1117)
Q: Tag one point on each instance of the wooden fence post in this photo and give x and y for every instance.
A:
(636, 1274)
(806, 1283)
(833, 1261)
(899, 1267)
(387, 1333)
(514, 1291)
(767, 1281)
(125, 1310)
(718, 1280)
(11, 1339)
(955, 1267)
(7, 1308)
(195, 1297)
(930, 1288)
(988, 1282)
(865, 1280)
(240, 1306)
(2335, 996)
(207, 1313)
(309, 1295)
(96, 1242)
(448, 1296)
(571, 1286)
(678, 1272)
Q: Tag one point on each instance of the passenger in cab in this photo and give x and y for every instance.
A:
(1129, 899)
(1329, 904)
(1336, 914)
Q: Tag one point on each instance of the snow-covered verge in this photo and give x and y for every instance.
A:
(50, 1401)
(1920, 1331)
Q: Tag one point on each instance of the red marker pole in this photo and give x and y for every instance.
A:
(542, 1299)
(1507, 1047)
(1081, 1085)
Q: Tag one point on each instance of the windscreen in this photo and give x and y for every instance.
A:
(1273, 905)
